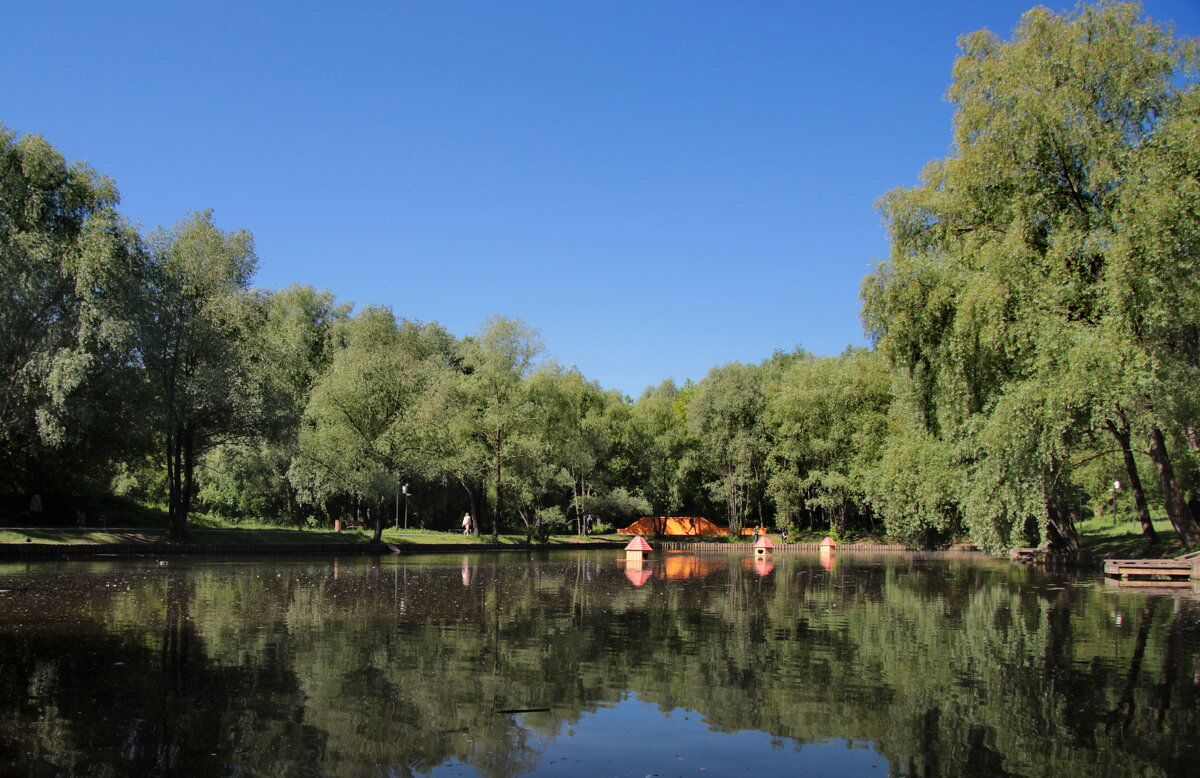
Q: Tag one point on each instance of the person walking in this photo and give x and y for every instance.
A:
(466, 524)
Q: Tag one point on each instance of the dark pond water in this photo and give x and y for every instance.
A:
(570, 664)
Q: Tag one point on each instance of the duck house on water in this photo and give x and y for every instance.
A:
(637, 550)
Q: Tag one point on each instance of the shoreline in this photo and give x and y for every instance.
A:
(360, 548)
(33, 550)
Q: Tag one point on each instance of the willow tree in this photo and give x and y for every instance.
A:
(999, 302)
(367, 423)
(726, 417)
(71, 275)
(294, 347)
(1155, 287)
(197, 348)
(487, 404)
(827, 417)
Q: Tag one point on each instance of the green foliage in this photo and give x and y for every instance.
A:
(71, 272)
(1005, 305)
(725, 417)
(488, 403)
(197, 339)
(827, 418)
(368, 423)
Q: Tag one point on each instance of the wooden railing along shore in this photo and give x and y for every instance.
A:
(690, 545)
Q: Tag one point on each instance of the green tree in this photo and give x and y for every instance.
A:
(827, 418)
(664, 449)
(72, 273)
(489, 403)
(576, 424)
(295, 345)
(726, 417)
(198, 348)
(1154, 286)
(367, 424)
(996, 305)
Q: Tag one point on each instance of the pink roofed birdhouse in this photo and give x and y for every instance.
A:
(638, 544)
(637, 548)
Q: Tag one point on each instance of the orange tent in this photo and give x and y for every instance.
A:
(673, 525)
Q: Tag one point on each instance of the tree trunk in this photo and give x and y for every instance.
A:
(293, 506)
(499, 491)
(379, 513)
(189, 473)
(180, 467)
(172, 483)
(1121, 433)
(1177, 510)
(577, 502)
(1061, 530)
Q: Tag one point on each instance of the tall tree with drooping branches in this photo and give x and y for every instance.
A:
(1001, 303)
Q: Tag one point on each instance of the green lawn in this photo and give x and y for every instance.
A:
(77, 536)
(72, 536)
(1098, 536)
(1124, 540)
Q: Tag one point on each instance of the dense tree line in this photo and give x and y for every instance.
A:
(1035, 337)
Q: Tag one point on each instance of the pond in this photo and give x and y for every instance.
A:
(571, 663)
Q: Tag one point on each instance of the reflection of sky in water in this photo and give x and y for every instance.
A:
(635, 738)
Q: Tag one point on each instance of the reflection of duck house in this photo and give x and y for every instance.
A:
(763, 546)
(827, 553)
(637, 550)
(636, 572)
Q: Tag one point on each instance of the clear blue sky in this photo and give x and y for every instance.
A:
(660, 187)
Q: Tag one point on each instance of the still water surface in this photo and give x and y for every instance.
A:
(570, 663)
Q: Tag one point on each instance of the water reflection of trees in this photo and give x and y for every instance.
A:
(403, 665)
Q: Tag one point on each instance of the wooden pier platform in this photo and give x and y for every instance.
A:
(1144, 570)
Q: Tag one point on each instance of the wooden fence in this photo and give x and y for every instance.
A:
(852, 548)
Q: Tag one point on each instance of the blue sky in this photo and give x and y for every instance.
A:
(659, 187)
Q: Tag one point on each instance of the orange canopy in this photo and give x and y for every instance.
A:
(673, 525)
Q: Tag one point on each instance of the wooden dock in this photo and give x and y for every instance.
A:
(1154, 571)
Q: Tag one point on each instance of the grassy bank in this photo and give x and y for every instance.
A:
(1124, 539)
(72, 536)
(1101, 537)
